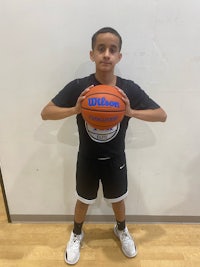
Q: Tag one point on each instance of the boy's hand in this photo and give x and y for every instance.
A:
(127, 102)
(80, 99)
(152, 115)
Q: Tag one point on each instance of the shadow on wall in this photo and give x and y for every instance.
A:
(63, 135)
(139, 135)
(43, 179)
(63, 131)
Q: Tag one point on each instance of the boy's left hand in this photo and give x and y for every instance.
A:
(127, 102)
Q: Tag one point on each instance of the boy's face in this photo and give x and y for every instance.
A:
(106, 52)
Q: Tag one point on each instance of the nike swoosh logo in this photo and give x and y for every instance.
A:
(121, 167)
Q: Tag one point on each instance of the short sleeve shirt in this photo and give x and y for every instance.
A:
(94, 143)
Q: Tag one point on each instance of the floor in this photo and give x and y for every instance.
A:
(43, 245)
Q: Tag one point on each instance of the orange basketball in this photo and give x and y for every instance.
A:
(103, 107)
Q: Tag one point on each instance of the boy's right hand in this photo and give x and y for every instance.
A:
(80, 99)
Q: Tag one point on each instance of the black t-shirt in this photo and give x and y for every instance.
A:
(94, 143)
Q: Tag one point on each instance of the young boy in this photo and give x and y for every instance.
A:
(102, 159)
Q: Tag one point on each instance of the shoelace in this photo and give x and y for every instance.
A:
(125, 237)
(76, 241)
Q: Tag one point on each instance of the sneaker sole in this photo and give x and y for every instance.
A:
(71, 263)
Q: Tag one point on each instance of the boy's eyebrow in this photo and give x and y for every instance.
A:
(113, 45)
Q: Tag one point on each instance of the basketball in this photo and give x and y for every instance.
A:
(103, 107)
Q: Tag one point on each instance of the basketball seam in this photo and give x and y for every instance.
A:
(104, 93)
(96, 110)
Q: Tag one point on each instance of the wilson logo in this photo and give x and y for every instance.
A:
(102, 102)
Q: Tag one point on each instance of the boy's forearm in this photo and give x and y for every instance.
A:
(151, 115)
(52, 112)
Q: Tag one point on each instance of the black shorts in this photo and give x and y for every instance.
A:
(112, 172)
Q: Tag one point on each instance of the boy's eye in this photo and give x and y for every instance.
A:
(113, 50)
(101, 49)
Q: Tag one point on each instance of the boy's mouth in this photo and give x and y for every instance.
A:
(106, 63)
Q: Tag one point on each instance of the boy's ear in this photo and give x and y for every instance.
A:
(92, 55)
(120, 57)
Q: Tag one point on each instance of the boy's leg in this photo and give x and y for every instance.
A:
(79, 216)
(72, 253)
(119, 211)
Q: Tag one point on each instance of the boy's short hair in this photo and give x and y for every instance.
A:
(106, 30)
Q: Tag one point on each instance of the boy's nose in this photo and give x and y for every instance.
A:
(107, 53)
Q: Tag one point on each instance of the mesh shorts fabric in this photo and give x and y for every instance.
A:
(111, 172)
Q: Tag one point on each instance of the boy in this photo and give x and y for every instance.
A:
(102, 159)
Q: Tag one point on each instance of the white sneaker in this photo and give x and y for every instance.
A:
(72, 253)
(128, 245)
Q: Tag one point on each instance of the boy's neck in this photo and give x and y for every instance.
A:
(106, 78)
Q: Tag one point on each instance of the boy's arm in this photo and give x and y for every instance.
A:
(53, 112)
(151, 115)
